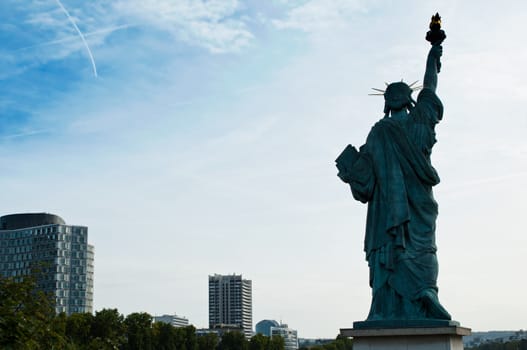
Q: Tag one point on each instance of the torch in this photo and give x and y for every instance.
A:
(436, 35)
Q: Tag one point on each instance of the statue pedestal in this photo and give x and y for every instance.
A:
(409, 338)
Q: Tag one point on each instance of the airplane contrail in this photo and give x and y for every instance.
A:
(68, 39)
(80, 34)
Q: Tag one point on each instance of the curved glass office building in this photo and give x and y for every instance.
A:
(61, 252)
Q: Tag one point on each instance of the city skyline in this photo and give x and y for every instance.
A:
(215, 124)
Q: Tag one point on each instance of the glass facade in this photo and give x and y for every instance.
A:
(290, 336)
(62, 255)
(264, 327)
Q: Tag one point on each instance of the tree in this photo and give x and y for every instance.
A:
(164, 336)
(500, 345)
(138, 326)
(343, 343)
(191, 341)
(79, 328)
(258, 342)
(27, 316)
(208, 341)
(233, 341)
(107, 331)
(276, 343)
(186, 338)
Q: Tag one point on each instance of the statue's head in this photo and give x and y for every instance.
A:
(398, 96)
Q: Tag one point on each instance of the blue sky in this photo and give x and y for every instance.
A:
(206, 144)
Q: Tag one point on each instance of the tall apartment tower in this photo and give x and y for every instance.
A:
(61, 252)
(230, 302)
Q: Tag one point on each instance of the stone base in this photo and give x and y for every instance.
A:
(423, 323)
(413, 338)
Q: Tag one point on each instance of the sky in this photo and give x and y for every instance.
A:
(197, 137)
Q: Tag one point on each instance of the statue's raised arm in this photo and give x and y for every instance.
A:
(433, 63)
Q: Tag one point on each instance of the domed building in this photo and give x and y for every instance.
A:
(272, 328)
(264, 327)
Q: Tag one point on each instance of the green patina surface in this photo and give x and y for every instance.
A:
(393, 174)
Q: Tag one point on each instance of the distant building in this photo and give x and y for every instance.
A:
(61, 252)
(200, 332)
(230, 303)
(272, 328)
(219, 330)
(307, 343)
(290, 336)
(264, 327)
(223, 328)
(481, 338)
(174, 320)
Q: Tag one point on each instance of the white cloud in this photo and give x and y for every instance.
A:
(316, 15)
(209, 24)
(213, 25)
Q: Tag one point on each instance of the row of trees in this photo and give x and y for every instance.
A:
(498, 345)
(341, 343)
(28, 321)
(108, 329)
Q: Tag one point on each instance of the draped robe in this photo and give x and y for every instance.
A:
(392, 172)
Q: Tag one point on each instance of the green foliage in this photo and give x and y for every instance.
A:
(27, 317)
(276, 343)
(78, 329)
(340, 343)
(208, 341)
(138, 328)
(189, 334)
(28, 321)
(498, 345)
(164, 336)
(262, 342)
(259, 342)
(107, 330)
(343, 343)
(233, 341)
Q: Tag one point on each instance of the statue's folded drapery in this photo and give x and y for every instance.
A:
(393, 174)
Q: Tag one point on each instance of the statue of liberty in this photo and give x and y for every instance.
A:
(392, 172)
